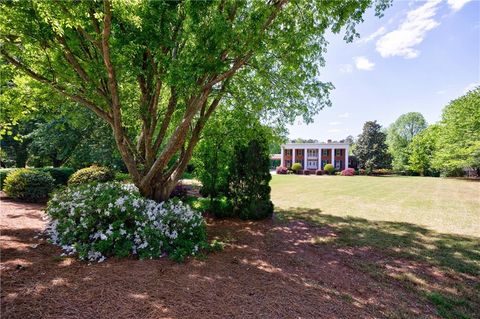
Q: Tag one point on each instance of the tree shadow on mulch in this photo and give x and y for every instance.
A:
(442, 268)
(268, 269)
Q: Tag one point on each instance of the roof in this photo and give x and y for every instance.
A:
(314, 145)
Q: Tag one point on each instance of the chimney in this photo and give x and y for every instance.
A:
(329, 141)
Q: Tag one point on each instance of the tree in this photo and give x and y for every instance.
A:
(459, 134)
(156, 71)
(399, 136)
(371, 149)
(249, 179)
(422, 150)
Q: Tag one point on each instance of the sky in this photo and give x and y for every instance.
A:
(416, 58)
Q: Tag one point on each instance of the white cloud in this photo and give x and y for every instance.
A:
(346, 68)
(334, 130)
(335, 123)
(470, 87)
(373, 36)
(362, 63)
(411, 32)
(344, 115)
(456, 5)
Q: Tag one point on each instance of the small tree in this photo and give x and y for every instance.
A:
(422, 150)
(249, 180)
(399, 136)
(371, 149)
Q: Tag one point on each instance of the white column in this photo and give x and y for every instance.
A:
(282, 162)
(333, 157)
(293, 155)
(346, 157)
(319, 165)
(304, 158)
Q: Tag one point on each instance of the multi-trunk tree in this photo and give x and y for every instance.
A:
(155, 71)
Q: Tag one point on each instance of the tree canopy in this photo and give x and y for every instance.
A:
(156, 71)
(371, 149)
(399, 136)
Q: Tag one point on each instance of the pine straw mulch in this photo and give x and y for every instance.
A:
(267, 270)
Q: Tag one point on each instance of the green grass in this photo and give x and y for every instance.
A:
(445, 205)
(415, 219)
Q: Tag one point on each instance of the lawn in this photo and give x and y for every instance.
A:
(444, 205)
(420, 233)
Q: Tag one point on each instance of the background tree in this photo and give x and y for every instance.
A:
(422, 150)
(371, 149)
(399, 136)
(459, 134)
(156, 71)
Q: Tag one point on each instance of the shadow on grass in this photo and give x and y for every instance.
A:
(442, 268)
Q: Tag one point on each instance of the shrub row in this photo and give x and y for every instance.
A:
(28, 184)
(60, 175)
(96, 221)
(92, 174)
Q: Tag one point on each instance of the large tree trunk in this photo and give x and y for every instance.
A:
(159, 191)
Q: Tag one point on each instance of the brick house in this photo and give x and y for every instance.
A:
(315, 156)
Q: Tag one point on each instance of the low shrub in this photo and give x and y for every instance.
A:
(220, 207)
(28, 184)
(97, 221)
(306, 172)
(60, 175)
(329, 169)
(382, 171)
(361, 171)
(320, 172)
(91, 174)
(122, 177)
(348, 172)
(296, 167)
(281, 170)
(3, 174)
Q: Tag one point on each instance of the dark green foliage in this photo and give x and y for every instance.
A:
(27, 184)
(371, 147)
(329, 169)
(60, 174)
(249, 180)
(91, 174)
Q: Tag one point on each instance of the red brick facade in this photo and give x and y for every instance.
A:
(310, 162)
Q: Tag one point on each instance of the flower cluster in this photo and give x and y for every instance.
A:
(282, 170)
(113, 219)
(348, 172)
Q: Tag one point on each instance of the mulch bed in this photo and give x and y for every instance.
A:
(267, 270)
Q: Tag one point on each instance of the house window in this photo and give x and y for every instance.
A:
(288, 152)
(325, 152)
(338, 164)
(311, 164)
(312, 153)
(288, 163)
(338, 152)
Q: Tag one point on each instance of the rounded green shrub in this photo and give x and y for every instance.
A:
(28, 184)
(91, 174)
(3, 174)
(60, 174)
(329, 169)
(296, 167)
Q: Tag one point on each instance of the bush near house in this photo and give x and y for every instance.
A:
(96, 221)
(28, 184)
(91, 174)
(282, 170)
(348, 172)
(297, 167)
(306, 172)
(320, 172)
(329, 169)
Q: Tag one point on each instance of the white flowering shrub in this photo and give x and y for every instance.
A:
(97, 221)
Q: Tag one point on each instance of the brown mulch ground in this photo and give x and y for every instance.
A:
(268, 270)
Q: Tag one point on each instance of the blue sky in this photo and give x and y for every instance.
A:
(418, 57)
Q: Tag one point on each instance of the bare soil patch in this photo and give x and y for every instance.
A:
(267, 270)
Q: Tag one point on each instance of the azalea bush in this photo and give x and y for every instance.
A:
(348, 172)
(282, 170)
(96, 221)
